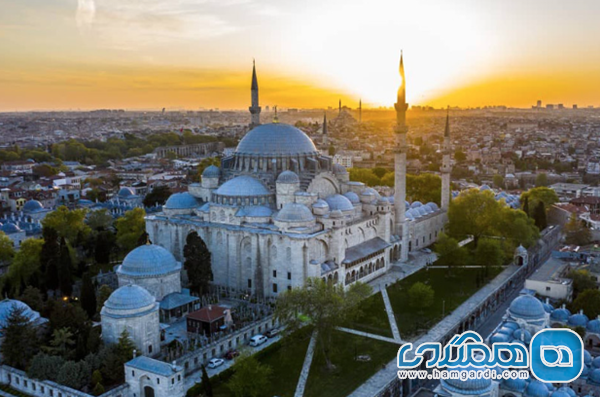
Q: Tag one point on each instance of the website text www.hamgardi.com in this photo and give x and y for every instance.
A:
(436, 374)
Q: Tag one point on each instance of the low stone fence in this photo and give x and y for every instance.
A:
(19, 380)
(192, 361)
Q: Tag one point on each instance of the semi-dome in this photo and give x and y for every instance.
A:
(212, 171)
(128, 298)
(148, 260)
(288, 177)
(126, 192)
(32, 206)
(181, 201)
(10, 228)
(8, 305)
(537, 389)
(475, 387)
(527, 307)
(339, 202)
(242, 186)
(276, 139)
(353, 197)
(294, 212)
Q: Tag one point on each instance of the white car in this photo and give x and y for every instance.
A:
(215, 362)
(257, 340)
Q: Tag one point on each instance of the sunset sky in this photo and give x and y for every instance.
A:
(85, 54)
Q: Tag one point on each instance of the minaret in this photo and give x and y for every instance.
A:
(254, 109)
(325, 143)
(446, 167)
(400, 165)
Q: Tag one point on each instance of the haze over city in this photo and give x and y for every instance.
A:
(86, 54)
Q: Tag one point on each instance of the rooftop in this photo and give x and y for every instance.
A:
(148, 364)
(208, 314)
(552, 271)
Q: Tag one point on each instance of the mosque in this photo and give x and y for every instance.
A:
(278, 211)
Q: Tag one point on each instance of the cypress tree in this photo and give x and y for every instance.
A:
(65, 282)
(206, 385)
(539, 216)
(526, 206)
(197, 263)
(88, 295)
(49, 257)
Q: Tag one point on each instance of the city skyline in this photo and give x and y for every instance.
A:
(89, 54)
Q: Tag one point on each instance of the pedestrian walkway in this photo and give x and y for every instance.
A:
(368, 335)
(390, 312)
(306, 366)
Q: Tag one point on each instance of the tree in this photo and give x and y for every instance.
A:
(323, 306)
(7, 251)
(25, 268)
(73, 374)
(88, 295)
(525, 205)
(68, 223)
(103, 246)
(45, 367)
(449, 252)
(538, 194)
(65, 281)
(99, 220)
(331, 150)
(541, 179)
(499, 181)
(576, 232)
(489, 253)
(33, 298)
(206, 385)
(103, 293)
(424, 188)
(589, 302)
(62, 343)
(158, 195)
(125, 347)
(420, 296)
(129, 228)
(20, 342)
(98, 389)
(49, 257)
(539, 216)
(582, 280)
(250, 377)
(379, 172)
(459, 156)
(197, 263)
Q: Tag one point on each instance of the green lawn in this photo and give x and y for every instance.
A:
(451, 290)
(349, 373)
(284, 357)
(373, 317)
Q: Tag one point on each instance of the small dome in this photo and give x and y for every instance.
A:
(548, 307)
(527, 307)
(520, 250)
(511, 324)
(587, 358)
(522, 335)
(409, 214)
(339, 169)
(126, 192)
(288, 177)
(596, 362)
(433, 206)
(594, 376)
(294, 212)
(148, 260)
(242, 186)
(276, 139)
(10, 228)
(484, 188)
(422, 211)
(498, 337)
(391, 200)
(339, 202)
(416, 204)
(537, 389)
(8, 305)
(517, 385)
(578, 320)
(32, 206)
(561, 315)
(353, 197)
(468, 386)
(594, 326)
(321, 204)
(129, 297)
(560, 393)
(372, 191)
(506, 331)
(336, 214)
(212, 171)
(567, 390)
(181, 201)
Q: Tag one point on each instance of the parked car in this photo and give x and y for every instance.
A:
(215, 362)
(272, 332)
(257, 340)
(231, 354)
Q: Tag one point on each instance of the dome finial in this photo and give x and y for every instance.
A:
(275, 117)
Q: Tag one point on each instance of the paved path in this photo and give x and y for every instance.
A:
(306, 366)
(368, 335)
(390, 312)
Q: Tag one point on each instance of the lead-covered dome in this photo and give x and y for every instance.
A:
(276, 139)
(8, 305)
(10, 228)
(181, 201)
(32, 206)
(212, 171)
(129, 300)
(242, 186)
(288, 177)
(148, 260)
(125, 192)
(294, 212)
(339, 202)
(527, 307)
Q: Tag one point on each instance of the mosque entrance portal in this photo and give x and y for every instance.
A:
(148, 391)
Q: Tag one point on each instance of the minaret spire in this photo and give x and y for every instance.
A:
(255, 108)
(446, 167)
(325, 138)
(401, 226)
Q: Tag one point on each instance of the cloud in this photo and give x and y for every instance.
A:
(84, 17)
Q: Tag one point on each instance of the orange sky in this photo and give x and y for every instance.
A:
(85, 54)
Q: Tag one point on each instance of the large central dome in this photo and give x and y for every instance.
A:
(276, 139)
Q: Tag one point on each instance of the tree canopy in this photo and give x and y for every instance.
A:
(129, 228)
(69, 224)
(420, 295)
(198, 263)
